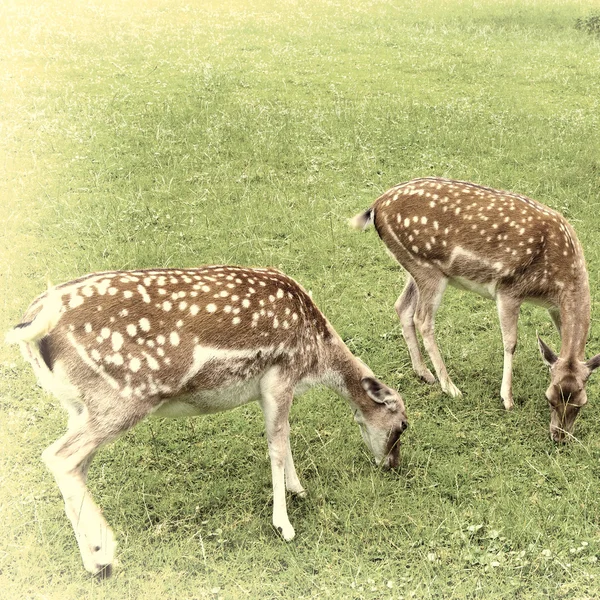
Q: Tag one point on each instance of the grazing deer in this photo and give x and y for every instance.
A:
(118, 346)
(502, 246)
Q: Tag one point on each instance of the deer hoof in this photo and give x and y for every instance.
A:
(427, 376)
(287, 531)
(104, 571)
(450, 389)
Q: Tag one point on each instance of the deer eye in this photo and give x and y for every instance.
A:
(580, 400)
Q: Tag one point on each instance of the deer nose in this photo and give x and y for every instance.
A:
(403, 426)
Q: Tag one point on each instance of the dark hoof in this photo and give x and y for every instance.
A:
(104, 572)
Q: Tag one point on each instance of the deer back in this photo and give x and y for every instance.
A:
(164, 332)
(480, 235)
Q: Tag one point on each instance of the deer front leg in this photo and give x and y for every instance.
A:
(508, 312)
(431, 290)
(276, 399)
(556, 318)
(405, 308)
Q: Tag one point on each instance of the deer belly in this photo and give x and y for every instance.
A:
(201, 402)
(487, 289)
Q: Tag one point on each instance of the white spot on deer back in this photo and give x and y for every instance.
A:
(75, 301)
(116, 340)
(102, 286)
(152, 362)
(116, 359)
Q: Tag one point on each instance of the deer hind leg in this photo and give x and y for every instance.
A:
(405, 308)
(78, 416)
(431, 290)
(508, 312)
(276, 400)
(85, 466)
(68, 459)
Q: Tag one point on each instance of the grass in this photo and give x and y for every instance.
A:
(159, 133)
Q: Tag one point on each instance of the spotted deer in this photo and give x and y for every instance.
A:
(502, 246)
(118, 346)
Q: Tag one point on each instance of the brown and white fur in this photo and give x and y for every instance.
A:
(502, 246)
(118, 346)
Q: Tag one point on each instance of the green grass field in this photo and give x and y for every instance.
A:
(160, 133)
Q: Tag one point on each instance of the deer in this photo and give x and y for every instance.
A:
(502, 246)
(115, 347)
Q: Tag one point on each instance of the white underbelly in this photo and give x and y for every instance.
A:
(202, 402)
(487, 290)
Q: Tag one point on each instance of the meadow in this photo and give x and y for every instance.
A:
(169, 134)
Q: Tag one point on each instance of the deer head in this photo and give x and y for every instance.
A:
(566, 393)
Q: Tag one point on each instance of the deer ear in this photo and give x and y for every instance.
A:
(593, 363)
(549, 357)
(379, 392)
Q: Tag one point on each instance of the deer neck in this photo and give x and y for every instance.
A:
(575, 318)
(344, 371)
